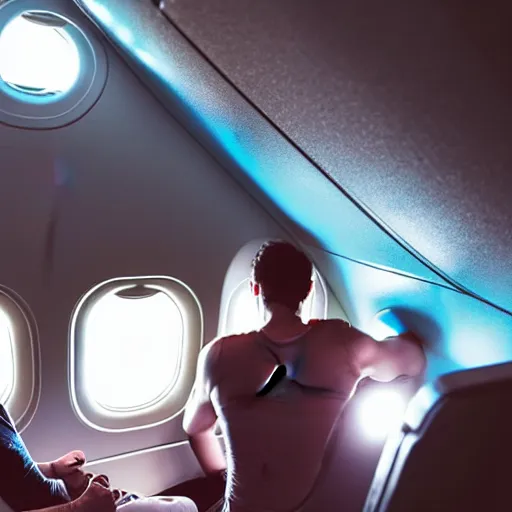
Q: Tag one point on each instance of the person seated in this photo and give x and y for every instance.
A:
(278, 391)
(98, 497)
(62, 485)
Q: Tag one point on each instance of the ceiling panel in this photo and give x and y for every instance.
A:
(407, 108)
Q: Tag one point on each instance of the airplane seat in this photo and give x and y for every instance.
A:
(454, 449)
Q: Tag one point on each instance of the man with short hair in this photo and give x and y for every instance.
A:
(278, 391)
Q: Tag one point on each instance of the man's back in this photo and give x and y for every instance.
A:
(276, 442)
(276, 439)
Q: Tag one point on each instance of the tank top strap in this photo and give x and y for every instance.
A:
(288, 366)
(289, 353)
(265, 343)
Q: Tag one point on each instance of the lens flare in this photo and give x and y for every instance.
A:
(379, 412)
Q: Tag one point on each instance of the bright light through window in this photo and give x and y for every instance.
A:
(243, 312)
(37, 55)
(306, 311)
(132, 350)
(379, 412)
(6, 358)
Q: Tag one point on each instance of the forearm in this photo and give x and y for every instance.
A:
(74, 484)
(208, 451)
(56, 484)
(46, 469)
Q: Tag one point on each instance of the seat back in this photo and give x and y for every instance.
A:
(454, 450)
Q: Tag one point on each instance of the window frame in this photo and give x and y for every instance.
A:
(24, 396)
(171, 404)
(23, 110)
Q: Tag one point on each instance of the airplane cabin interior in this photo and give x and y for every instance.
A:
(149, 148)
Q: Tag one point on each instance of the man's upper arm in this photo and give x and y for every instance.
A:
(374, 359)
(386, 360)
(199, 412)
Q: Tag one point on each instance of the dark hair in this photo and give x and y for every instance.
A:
(283, 272)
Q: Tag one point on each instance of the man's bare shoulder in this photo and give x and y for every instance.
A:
(209, 359)
(233, 338)
(217, 344)
(336, 330)
(244, 336)
(218, 353)
(332, 325)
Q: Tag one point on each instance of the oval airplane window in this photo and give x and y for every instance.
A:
(133, 352)
(6, 359)
(38, 55)
(19, 359)
(52, 68)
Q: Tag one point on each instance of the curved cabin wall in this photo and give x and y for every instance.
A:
(124, 191)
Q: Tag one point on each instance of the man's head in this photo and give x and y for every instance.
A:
(282, 274)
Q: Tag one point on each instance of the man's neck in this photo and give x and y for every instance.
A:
(281, 314)
(283, 322)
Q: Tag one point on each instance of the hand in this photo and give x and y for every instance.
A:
(69, 468)
(96, 498)
(104, 481)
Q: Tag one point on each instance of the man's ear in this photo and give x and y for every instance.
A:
(255, 289)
